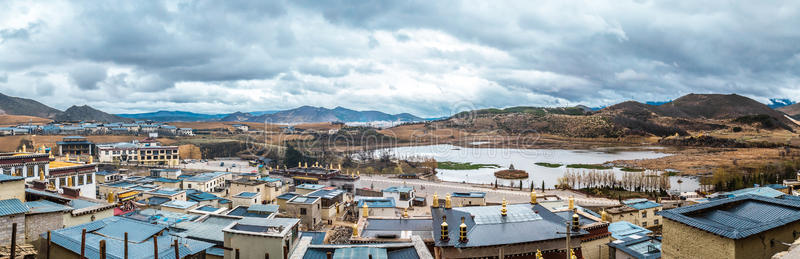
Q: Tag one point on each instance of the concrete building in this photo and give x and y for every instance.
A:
(402, 195)
(377, 207)
(43, 216)
(746, 226)
(246, 198)
(638, 211)
(107, 177)
(332, 201)
(179, 206)
(75, 146)
(185, 132)
(635, 247)
(169, 173)
(207, 182)
(143, 152)
(468, 199)
(78, 175)
(141, 236)
(307, 209)
(415, 249)
(26, 165)
(307, 188)
(84, 209)
(284, 198)
(165, 193)
(260, 238)
(385, 230)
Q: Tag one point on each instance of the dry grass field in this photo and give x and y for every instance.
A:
(13, 120)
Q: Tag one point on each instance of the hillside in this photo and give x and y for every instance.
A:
(87, 113)
(12, 120)
(171, 116)
(21, 106)
(792, 110)
(310, 114)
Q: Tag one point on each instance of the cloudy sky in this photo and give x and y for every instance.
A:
(429, 58)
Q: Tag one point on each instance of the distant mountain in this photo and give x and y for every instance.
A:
(259, 113)
(170, 116)
(775, 103)
(21, 106)
(87, 113)
(657, 103)
(307, 114)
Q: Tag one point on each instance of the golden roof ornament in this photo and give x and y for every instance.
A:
(365, 210)
(503, 210)
(447, 203)
(533, 197)
(435, 200)
(571, 203)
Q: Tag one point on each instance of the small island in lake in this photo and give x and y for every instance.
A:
(511, 173)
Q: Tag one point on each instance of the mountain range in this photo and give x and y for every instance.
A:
(690, 110)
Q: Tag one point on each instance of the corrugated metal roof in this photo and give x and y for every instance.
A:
(360, 252)
(5, 178)
(270, 208)
(11, 207)
(377, 202)
(45, 206)
(316, 237)
(737, 217)
(622, 229)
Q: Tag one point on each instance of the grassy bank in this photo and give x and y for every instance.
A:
(551, 165)
(463, 166)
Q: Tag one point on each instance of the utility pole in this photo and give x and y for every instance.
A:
(569, 233)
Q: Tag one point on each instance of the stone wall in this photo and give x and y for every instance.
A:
(36, 224)
(5, 229)
(682, 241)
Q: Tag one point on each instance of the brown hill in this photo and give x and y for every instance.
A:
(715, 106)
(792, 110)
(87, 113)
(20, 106)
(10, 120)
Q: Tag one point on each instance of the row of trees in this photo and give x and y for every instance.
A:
(631, 181)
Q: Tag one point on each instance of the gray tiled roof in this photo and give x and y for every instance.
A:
(737, 217)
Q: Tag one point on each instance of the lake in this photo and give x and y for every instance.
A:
(525, 159)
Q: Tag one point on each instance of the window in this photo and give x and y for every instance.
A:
(655, 222)
(644, 224)
(644, 214)
(302, 211)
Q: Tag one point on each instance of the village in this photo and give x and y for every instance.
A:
(56, 202)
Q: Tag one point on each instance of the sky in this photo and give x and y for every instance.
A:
(429, 58)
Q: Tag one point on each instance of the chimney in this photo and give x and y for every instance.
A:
(462, 231)
(445, 233)
(72, 191)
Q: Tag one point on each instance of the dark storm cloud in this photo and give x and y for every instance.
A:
(425, 57)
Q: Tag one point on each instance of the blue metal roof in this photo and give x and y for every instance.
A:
(208, 208)
(360, 252)
(169, 192)
(737, 217)
(326, 193)
(11, 207)
(622, 229)
(398, 189)
(180, 204)
(45, 206)
(242, 211)
(269, 179)
(204, 177)
(316, 237)
(199, 196)
(246, 195)
(161, 217)
(372, 202)
(287, 196)
(469, 194)
(112, 231)
(303, 199)
(155, 200)
(639, 247)
(5, 178)
(777, 186)
(761, 191)
(105, 173)
(643, 205)
(309, 186)
(263, 208)
(166, 180)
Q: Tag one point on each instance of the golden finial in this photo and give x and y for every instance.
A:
(365, 210)
(572, 254)
(447, 203)
(91, 159)
(358, 173)
(110, 197)
(462, 231)
(539, 254)
(340, 167)
(69, 181)
(355, 229)
(445, 235)
(533, 197)
(405, 212)
(571, 203)
(604, 215)
(306, 165)
(503, 210)
(23, 148)
(67, 157)
(299, 164)
(435, 200)
(41, 174)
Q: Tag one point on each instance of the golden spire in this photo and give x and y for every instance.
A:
(571, 203)
(405, 213)
(23, 148)
(78, 158)
(533, 197)
(365, 210)
(358, 173)
(67, 157)
(445, 233)
(435, 200)
(503, 210)
(604, 215)
(447, 203)
(306, 165)
(572, 254)
(462, 231)
(69, 181)
(110, 197)
(539, 254)
(41, 174)
(299, 164)
(52, 156)
(91, 159)
(355, 229)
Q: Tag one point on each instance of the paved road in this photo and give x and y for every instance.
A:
(427, 188)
